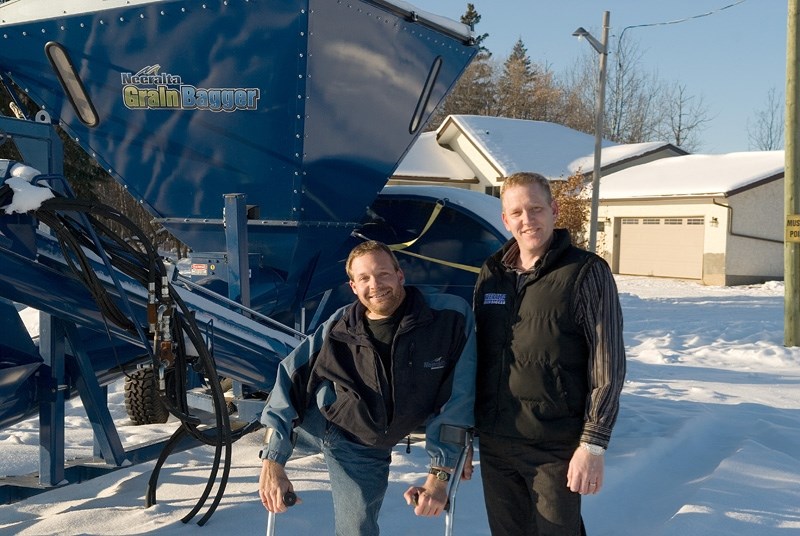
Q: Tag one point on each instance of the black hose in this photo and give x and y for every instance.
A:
(150, 494)
(146, 268)
(220, 414)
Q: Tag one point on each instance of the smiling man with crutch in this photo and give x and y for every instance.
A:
(394, 360)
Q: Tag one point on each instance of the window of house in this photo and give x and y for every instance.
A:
(651, 221)
(492, 190)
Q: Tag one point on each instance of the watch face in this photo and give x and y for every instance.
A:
(444, 476)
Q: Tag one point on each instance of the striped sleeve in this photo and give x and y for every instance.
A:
(599, 313)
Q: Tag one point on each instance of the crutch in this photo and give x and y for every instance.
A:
(461, 436)
(289, 498)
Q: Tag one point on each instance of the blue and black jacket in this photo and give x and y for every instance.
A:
(338, 372)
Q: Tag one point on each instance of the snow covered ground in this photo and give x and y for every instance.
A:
(706, 442)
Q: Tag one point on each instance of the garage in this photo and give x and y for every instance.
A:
(664, 247)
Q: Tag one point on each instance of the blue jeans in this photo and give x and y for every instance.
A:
(359, 477)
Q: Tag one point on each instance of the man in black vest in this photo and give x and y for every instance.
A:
(551, 365)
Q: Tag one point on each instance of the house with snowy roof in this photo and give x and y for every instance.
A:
(477, 152)
(664, 213)
(718, 218)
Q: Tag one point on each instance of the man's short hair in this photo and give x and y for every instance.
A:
(370, 246)
(524, 178)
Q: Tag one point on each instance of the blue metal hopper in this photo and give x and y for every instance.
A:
(306, 107)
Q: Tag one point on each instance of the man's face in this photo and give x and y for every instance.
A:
(529, 218)
(377, 283)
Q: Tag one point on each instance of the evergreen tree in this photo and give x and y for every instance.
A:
(528, 90)
(515, 87)
(471, 18)
(474, 93)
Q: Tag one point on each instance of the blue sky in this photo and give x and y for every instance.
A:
(731, 58)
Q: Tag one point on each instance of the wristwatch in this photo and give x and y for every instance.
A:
(440, 474)
(594, 450)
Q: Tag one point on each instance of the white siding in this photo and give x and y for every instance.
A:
(758, 214)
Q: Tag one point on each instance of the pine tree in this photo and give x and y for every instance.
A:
(528, 90)
(474, 93)
(515, 86)
(471, 18)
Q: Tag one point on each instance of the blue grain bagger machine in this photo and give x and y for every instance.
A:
(259, 133)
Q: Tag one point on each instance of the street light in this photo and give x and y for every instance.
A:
(602, 48)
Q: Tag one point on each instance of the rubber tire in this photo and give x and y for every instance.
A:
(142, 402)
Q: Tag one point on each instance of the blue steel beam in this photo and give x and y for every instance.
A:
(95, 402)
(235, 218)
(37, 141)
(51, 407)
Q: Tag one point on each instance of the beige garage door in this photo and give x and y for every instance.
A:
(665, 247)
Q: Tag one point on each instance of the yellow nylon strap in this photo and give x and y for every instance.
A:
(434, 214)
(399, 248)
(466, 267)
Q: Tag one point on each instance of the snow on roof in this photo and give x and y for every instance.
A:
(613, 154)
(697, 174)
(521, 145)
(427, 159)
(551, 149)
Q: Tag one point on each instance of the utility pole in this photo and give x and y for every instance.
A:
(601, 47)
(791, 245)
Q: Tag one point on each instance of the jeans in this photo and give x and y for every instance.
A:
(359, 477)
(525, 488)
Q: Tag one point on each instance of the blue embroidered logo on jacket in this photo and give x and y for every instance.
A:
(435, 364)
(492, 298)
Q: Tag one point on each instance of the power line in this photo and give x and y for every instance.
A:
(677, 21)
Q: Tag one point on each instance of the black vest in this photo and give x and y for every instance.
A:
(532, 355)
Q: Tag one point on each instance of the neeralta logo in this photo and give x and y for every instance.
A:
(150, 89)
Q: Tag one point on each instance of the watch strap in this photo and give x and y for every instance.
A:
(595, 450)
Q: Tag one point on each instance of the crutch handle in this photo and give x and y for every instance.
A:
(289, 499)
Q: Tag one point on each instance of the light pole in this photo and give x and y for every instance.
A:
(602, 48)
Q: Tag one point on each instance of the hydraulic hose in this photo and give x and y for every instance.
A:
(89, 232)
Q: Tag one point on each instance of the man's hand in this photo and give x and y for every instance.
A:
(272, 485)
(585, 473)
(429, 499)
